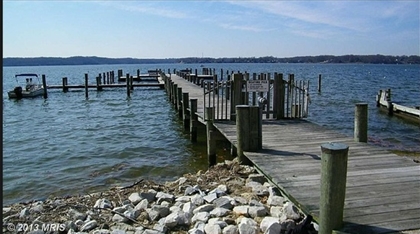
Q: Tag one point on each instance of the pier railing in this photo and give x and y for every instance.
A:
(278, 98)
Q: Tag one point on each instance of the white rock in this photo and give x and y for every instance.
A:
(200, 216)
(230, 229)
(291, 211)
(275, 200)
(241, 210)
(276, 211)
(89, 226)
(210, 197)
(224, 202)
(248, 226)
(217, 221)
(142, 205)
(198, 228)
(205, 207)
(162, 210)
(172, 220)
(197, 200)
(119, 219)
(23, 213)
(257, 211)
(103, 203)
(183, 199)
(135, 198)
(212, 229)
(271, 224)
(188, 207)
(161, 196)
(219, 212)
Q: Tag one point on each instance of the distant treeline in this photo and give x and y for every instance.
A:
(92, 60)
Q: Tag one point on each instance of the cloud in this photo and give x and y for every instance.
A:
(357, 16)
(148, 7)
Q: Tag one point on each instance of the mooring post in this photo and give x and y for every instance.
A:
(185, 116)
(236, 94)
(193, 120)
(127, 81)
(378, 98)
(98, 83)
(178, 102)
(103, 78)
(390, 106)
(319, 83)
(138, 75)
(175, 92)
(211, 138)
(86, 86)
(333, 186)
(44, 84)
(170, 90)
(247, 130)
(120, 74)
(65, 88)
(361, 122)
(131, 83)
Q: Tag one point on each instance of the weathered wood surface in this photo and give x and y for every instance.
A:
(384, 100)
(195, 92)
(383, 189)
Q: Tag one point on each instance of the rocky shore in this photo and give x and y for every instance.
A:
(228, 198)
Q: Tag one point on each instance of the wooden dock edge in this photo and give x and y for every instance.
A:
(383, 101)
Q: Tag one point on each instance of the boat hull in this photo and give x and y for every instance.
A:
(27, 94)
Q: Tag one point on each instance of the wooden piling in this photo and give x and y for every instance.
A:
(211, 138)
(65, 83)
(390, 106)
(237, 94)
(86, 86)
(319, 83)
(278, 96)
(175, 98)
(98, 83)
(361, 122)
(193, 120)
(127, 80)
(44, 84)
(247, 130)
(138, 75)
(178, 102)
(185, 115)
(333, 186)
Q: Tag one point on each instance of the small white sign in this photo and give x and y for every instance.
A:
(257, 85)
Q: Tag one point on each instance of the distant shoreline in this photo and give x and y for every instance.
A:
(93, 60)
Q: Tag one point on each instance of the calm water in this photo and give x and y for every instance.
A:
(69, 145)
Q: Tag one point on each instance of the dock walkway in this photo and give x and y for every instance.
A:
(382, 191)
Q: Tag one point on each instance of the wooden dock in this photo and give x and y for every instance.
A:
(382, 189)
(383, 100)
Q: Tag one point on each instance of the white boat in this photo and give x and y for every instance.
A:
(33, 88)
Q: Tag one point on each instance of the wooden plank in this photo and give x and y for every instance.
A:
(383, 189)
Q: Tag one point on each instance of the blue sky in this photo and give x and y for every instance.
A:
(175, 29)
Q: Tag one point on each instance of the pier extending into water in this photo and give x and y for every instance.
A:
(381, 192)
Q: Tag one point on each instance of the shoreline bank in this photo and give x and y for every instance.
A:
(226, 198)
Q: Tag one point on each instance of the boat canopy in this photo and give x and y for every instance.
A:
(26, 74)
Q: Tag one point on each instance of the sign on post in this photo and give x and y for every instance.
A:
(257, 86)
